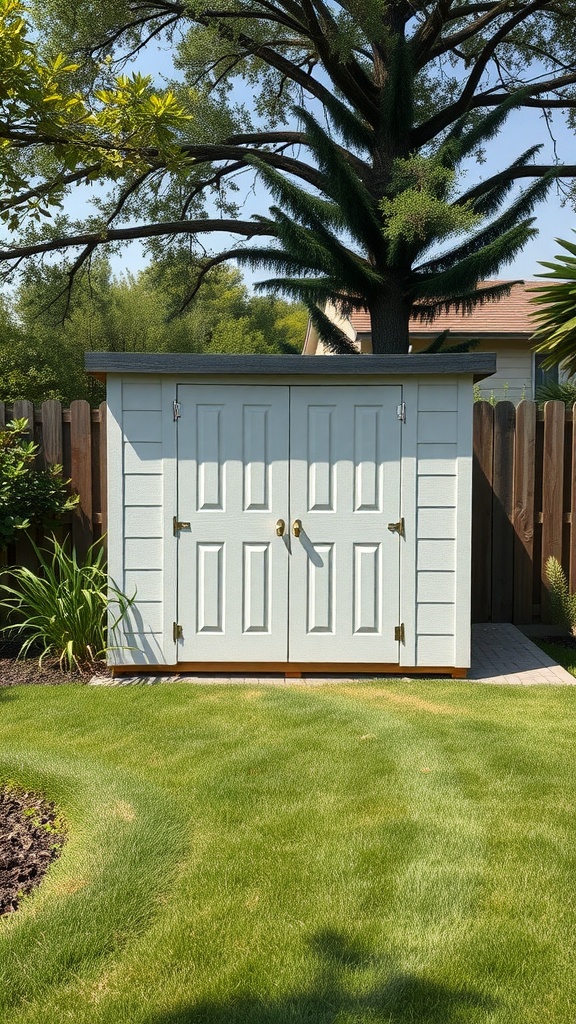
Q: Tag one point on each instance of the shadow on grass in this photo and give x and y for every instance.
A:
(402, 998)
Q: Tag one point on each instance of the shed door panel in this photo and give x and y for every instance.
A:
(232, 488)
(345, 489)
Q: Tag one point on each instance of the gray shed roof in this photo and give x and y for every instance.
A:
(479, 364)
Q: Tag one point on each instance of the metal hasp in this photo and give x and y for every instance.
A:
(177, 633)
(176, 526)
(397, 527)
(399, 632)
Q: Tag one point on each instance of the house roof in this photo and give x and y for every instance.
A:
(509, 315)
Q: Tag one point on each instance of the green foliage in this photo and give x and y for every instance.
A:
(110, 127)
(419, 208)
(63, 608)
(557, 391)
(555, 314)
(28, 497)
(562, 602)
(44, 332)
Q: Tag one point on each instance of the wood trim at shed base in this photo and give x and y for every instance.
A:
(292, 670)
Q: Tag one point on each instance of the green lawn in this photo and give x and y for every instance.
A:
(565, 656)
(353, 854)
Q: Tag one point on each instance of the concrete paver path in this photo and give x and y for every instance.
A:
(501, 655)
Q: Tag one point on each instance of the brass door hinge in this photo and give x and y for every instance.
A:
(177, 633)
(397, 527)
(399, 633)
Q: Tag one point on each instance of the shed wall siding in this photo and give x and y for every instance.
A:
(443, 451)
(139, 451)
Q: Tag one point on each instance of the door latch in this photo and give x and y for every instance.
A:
(176, 526)
(397, 527)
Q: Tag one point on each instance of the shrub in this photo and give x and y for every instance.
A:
(562, 602)
(63, 609)
(28, 497)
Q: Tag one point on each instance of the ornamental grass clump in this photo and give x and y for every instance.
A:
(562, 602)
(61, 611)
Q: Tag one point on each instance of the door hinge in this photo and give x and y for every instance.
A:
(399, 632)
(397, 527)
(177, 633)
(176, 412)
(178, 525)
(401, 412)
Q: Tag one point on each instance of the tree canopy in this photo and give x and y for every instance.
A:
(329, 103)
(44, 333)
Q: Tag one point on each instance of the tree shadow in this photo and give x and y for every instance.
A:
(401, 998)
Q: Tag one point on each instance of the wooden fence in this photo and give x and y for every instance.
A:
(75, 438)
(524, 490)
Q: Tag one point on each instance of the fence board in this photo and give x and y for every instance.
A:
(552, 499)
(81, 474)
(52, 450)
(523, 519)
(502, 513)
(572, 542)
(482, 512)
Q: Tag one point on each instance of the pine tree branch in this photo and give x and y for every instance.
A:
(436, 124)
(515, 174)
(468, 31)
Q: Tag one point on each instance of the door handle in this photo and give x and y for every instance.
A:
(297, 527)
(280, 527)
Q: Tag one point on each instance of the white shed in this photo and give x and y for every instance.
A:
(279, 514)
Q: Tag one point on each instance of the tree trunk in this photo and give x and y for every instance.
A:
(390, 315)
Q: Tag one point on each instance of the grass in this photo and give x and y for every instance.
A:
(354, 854)
(565, 656)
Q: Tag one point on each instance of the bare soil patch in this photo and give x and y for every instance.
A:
(31, 837)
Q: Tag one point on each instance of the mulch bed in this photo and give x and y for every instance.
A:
(27, 671)
(31, 837)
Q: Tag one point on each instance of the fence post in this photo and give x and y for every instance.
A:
(502, 511)
(524, 486)
(552, 488)
(572, 555)
(81, 474)
(483, 418)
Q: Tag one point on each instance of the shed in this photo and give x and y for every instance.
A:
(280, 514)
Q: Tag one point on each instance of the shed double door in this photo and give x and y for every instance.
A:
(289, 491)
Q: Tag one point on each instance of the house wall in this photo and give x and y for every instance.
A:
(514, 368)
(513, 380)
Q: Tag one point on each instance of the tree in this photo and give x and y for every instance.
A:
(44, 332)
(377, 101)
(555, 312)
